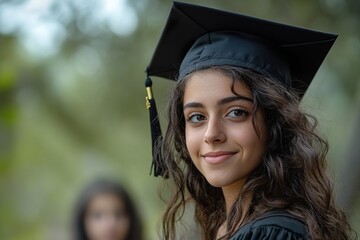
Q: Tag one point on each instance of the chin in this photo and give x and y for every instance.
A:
(216, 182)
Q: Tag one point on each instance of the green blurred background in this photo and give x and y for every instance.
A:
(72, 103)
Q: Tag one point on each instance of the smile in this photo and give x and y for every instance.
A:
(217, 157)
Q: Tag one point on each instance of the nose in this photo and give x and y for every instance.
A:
(214, 132)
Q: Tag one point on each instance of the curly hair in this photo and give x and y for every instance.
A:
(292, 175)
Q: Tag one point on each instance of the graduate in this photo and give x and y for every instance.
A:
(238, 145)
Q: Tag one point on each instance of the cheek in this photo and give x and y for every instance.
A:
(245, 136)
(252, 144)
(193, 140)
(123, 226)
(93, 227)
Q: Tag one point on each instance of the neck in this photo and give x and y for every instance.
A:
(231, 193)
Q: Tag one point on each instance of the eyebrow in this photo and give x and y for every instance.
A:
(233, 98)
(220, 102)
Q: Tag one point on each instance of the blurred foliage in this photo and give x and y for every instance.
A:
(72, 107)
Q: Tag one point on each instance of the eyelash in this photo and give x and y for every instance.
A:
(191, 115)
(243, 113)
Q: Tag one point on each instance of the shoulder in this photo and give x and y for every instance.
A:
(273, 225)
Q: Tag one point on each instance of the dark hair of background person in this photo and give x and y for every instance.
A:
(105, 186)
(292, 175)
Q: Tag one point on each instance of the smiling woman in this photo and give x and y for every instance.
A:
(238, 144)
(220, 135)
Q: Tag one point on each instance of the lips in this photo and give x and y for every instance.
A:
(217, 157)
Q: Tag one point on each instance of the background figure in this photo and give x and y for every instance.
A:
(105, 211)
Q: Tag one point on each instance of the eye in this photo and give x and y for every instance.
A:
(237, 113)
(120, 214)
(196, 118)
(97, 215)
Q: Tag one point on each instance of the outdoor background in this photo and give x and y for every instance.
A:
(72, 105)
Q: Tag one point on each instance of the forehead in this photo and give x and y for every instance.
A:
(214, 82)
(105, 199)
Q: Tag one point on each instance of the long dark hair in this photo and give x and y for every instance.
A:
(292, 175)
(100, 187)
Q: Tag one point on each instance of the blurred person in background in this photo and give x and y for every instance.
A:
(105, 211)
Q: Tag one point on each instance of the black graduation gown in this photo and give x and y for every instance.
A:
(275, 225)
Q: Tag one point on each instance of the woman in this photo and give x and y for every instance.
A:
(105, 211)
(238, 144)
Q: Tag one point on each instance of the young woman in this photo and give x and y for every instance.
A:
(238, 144)
(105, 212)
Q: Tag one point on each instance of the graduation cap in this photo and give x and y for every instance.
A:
(197, 37)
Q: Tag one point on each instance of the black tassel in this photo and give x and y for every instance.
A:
(157, 166)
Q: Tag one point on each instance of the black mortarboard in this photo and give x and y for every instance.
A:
(197, 37)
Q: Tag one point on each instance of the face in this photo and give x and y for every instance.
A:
(220, 135)
(106, 218)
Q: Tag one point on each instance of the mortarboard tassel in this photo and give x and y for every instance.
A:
(157, 166)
